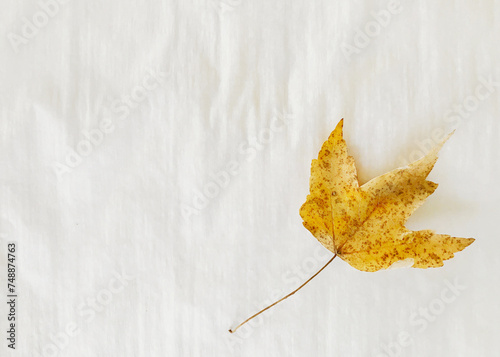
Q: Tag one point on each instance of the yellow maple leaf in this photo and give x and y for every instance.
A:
(364, 225)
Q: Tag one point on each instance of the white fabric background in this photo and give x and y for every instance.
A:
(227, 68)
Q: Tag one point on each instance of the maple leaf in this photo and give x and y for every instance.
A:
(364, 225)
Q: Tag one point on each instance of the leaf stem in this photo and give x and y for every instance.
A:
(293, 292)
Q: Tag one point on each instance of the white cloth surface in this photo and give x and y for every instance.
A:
(153, 190)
